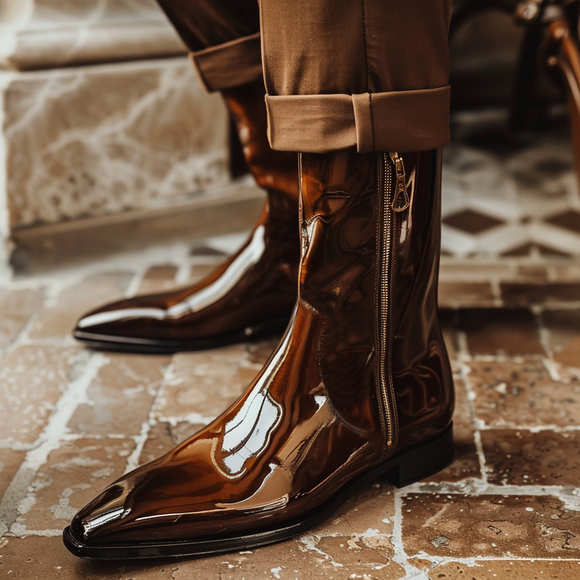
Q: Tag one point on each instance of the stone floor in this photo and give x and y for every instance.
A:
(72, 420)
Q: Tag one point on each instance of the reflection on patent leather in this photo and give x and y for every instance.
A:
(251, 295)
(359, 386)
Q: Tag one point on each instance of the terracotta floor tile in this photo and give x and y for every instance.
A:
(73, 475)
(512, 570)
(528, 250)
(563, 326)
(524, 458)
(42, 558)
(466, 462)
(259, 352)
(356, 541)
(163, 437)
(16, 309)
(499, 331)
(312, 559)
(517, 294)
(568, 272)
(32, 379)
(454, 294)
(447, 319)
(38, 558)
(564, 335)
(461, 526)
(469, 270)
(207, 251)
(568, 220)
(205, 383)
(536, 273)
(200, 271)
(372, 508)
(59, 320)
(10, 461)
(158, 279)
(121, 395)
(569, 356)
(517, 394)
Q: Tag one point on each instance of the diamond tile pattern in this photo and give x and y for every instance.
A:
(502, 200)
(471, 221)
(569, 220)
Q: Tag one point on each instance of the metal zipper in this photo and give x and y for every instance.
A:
(393, 187)
(401, 199)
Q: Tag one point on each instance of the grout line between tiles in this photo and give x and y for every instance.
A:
(74, 393)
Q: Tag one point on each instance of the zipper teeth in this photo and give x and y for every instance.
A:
(385, 363)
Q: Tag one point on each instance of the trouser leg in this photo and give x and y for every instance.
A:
(370, 73)
(223, 37)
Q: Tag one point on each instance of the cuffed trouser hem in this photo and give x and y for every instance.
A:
(401, 121)
(230, 64)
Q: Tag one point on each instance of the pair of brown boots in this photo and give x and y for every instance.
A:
(359, 386)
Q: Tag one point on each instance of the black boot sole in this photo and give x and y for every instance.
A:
(129, 344)
(409, 466)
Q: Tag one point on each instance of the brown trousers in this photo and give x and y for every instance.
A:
(338, 73)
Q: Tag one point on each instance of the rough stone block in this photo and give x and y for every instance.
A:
(98, 140)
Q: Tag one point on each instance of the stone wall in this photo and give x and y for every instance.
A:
(100, 113)
(48, 33)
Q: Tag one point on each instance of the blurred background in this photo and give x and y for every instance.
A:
(109, 144)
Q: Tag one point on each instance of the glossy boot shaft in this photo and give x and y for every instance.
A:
(343, 399)
(251, 295)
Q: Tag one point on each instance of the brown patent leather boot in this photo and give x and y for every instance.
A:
(251, 295)
(359, 387)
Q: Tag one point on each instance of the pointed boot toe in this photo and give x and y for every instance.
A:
(251, 296)
(108, 507)
(359, 387)
(126, 324)
(140, 510)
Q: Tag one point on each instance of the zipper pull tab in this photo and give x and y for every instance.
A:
(401, 199)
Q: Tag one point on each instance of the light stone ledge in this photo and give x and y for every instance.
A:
(99, 140)
(36, 34)
(56, 248)
(64, 46)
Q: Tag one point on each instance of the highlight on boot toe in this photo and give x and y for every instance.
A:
(125, 324)
(360, 386)
(115, 525)
(150, 329)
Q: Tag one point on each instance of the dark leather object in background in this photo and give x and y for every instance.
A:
(485, 49)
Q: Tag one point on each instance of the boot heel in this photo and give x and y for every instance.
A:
(423, 461)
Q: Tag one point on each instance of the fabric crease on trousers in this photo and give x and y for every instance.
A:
(370, 74)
